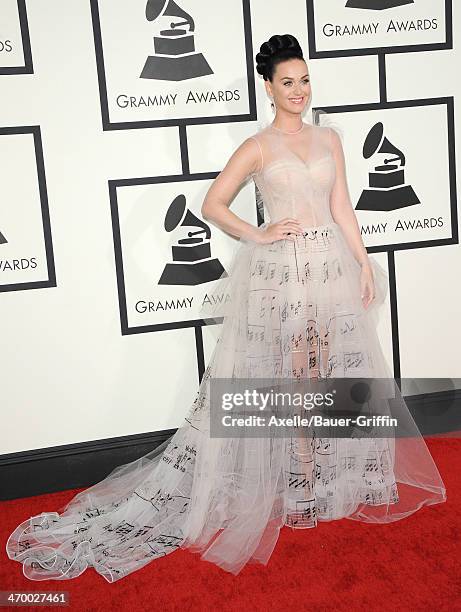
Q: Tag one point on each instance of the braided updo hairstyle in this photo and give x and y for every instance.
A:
(278, 48)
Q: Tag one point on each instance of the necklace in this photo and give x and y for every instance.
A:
(285, 132)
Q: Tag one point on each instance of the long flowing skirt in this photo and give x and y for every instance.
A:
(291, 310)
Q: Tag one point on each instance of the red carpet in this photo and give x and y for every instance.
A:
(413, 564)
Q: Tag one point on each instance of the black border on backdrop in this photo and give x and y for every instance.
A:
(114, 185)
(107, 124)
(41, 179)
(448, 102)
(314, 54)
(392, 248)
(27, 67)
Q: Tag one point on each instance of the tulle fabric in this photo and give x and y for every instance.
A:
(286, 310)
(228, 498)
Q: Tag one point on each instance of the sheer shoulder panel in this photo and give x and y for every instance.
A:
(260, 153)
(241, 165)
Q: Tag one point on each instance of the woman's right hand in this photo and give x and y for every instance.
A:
(280, 231)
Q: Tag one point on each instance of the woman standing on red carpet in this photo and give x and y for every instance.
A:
(304, 297)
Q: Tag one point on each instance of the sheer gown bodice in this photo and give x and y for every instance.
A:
(297, 173)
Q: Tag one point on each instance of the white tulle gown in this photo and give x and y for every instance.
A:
(294, 311)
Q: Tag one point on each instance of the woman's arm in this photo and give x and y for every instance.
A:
(244, 161)
(344, 215)
(341, 205)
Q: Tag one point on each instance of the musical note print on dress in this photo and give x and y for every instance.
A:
(294, 312)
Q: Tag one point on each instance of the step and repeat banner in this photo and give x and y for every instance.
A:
(116, 119)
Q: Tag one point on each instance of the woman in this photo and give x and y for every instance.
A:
(301, 302)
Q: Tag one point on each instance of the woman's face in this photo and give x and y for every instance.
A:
(290, 86)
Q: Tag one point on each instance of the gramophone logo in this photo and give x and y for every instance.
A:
(175, 58)
(387, 189)
(377, 5)
(3, 240)
(192, 262)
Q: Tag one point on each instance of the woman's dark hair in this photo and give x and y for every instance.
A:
(278, 48)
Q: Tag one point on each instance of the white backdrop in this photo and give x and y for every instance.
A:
(70, 372)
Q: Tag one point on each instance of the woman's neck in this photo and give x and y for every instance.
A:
(292, 126)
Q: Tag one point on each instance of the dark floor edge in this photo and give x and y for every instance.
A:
(72, 466)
